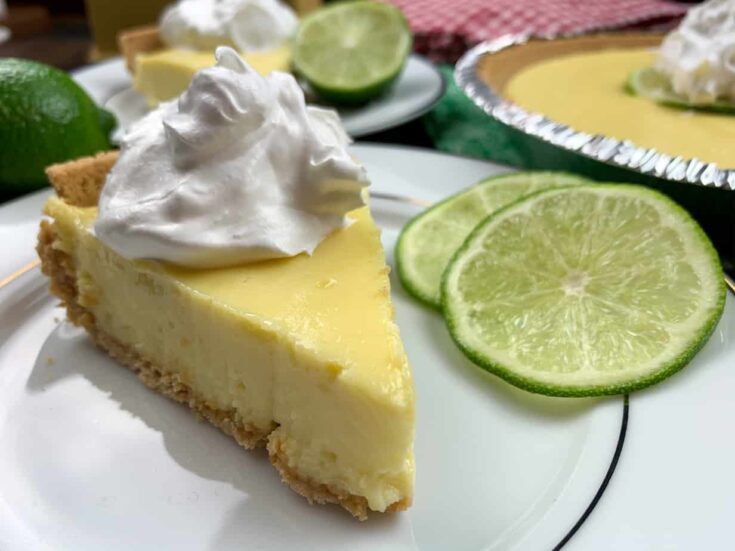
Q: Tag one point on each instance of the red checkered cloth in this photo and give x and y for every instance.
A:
(444, 29)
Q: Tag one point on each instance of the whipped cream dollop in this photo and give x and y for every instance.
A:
(238, 169)
(699, 56)
(247, 25)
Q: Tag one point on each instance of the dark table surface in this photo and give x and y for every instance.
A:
(66, 46)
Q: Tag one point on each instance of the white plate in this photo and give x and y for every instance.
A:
(416, 91)
(91, 459)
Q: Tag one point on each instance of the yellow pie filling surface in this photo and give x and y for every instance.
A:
(587, 92)
(307, 344)
(164, 74)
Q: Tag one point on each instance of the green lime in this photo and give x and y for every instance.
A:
(351, 52)
(652, 84)
(587, 290)
(45, 118)
(428, 242)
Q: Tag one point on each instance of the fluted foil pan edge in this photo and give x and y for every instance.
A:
(605, 149)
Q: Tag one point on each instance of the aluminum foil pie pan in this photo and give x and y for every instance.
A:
(705, 189)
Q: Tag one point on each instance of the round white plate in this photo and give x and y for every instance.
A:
(416, 91)
(91, 459)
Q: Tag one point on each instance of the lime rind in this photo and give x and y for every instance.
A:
(378, 64)
(687, 349)
(45, 118)
(422, 285)
(652, 84)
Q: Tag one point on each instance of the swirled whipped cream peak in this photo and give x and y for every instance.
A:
(699, 56)
(248, 25)
(237, 170)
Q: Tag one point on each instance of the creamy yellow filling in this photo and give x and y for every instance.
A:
(586, 92)
(164, 74)
(308, 343)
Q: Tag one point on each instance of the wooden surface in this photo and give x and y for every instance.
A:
(65, 46)
(26, 21)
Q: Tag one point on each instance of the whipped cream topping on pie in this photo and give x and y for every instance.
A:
(248, 25)
(699, 56)
(238, 169)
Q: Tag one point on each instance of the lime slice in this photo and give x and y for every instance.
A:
(352, 51)
(590, 290)
(428, 242)
(655, 85)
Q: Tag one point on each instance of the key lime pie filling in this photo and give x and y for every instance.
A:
(227, 256)
(190, 30)
(586, 90)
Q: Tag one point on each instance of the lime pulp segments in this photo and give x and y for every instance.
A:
(652, 84)
(350, 52)
(428, 242)
(590, 290)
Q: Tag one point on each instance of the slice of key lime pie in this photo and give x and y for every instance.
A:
(164, 58)
(229, 259)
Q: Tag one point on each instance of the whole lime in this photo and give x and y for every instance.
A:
(45, 118)
(351, 52)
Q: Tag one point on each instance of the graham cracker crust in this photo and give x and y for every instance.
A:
(79, 182)
(59, 267)
(138, 40)
(323, 493)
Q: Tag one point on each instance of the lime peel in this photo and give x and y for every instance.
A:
(428, 241)
(653, 84)
(351, 52)
(617, 351)
(45, 118)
